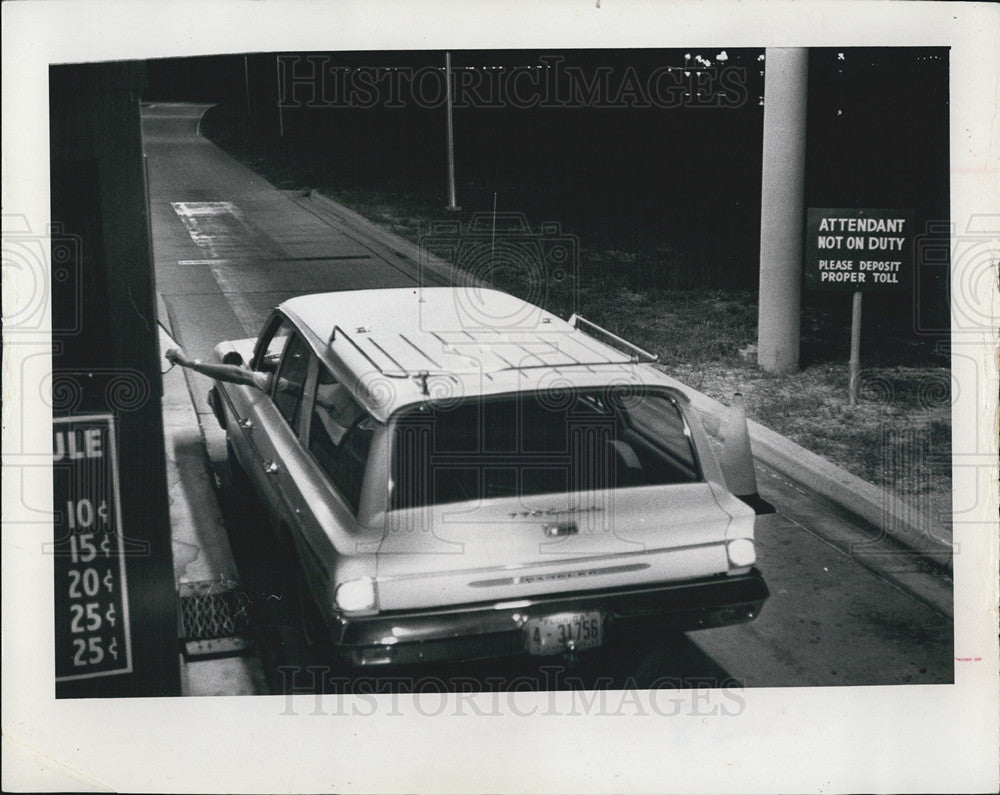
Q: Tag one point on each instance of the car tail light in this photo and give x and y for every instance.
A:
(356, 596)
(741, 552)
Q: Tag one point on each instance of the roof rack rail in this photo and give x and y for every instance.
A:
(623, 345)
(359, 349)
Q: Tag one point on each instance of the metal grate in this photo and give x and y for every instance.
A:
(212, 618)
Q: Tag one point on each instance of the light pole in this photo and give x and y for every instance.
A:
(281, 118)
(246, 82)
(451, 136)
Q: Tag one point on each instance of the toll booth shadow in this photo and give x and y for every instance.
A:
(284, 623)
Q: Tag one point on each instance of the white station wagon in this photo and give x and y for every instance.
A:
(465, 475)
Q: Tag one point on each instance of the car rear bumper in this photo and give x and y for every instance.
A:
(495, 629)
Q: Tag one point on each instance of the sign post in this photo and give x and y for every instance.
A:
(858, 250)
(854, 365)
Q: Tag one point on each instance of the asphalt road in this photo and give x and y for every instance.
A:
(847, 606)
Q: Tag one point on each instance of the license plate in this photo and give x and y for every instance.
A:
(564, 632)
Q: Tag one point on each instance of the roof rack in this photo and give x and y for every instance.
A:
(625, 346)
(392, 354)
(359, 349)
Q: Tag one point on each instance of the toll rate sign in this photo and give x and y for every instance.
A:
(852, 249)
(91, 595)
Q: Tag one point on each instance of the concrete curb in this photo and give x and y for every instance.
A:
(875, 505)
(447, 273)
(200, 546)
(870, 503)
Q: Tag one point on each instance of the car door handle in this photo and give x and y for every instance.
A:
(246, 424)
(272, 467)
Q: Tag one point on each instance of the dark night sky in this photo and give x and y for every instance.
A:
(687, 168)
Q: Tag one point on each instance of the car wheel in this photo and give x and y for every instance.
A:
(307, 616)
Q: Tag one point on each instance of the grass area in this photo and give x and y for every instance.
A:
(639, 286)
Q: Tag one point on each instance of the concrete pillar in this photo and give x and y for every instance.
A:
(781, 208)
(106, 358)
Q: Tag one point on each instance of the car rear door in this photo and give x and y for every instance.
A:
(326, 482)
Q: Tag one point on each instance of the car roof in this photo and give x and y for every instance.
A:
(394, 347)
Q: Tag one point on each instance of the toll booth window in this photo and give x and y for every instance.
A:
(340, 434)
(291, 378)
(273, 345)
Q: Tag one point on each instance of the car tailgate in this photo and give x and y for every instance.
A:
(513, 548)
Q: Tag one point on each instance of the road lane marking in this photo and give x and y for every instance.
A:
(266, 260)
(221, 230)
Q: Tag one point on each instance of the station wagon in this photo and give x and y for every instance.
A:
(464, 475)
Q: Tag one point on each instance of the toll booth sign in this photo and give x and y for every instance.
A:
(91, 597)
(852, 249)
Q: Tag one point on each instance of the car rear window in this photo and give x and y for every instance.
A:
(538, 443)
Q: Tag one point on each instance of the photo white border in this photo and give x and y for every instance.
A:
(901, 738)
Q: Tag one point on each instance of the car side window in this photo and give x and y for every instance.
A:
(340, 434)
(273, 345)
(288, 386)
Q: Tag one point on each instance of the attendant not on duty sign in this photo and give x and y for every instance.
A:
(858, 250)
(852, 249)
